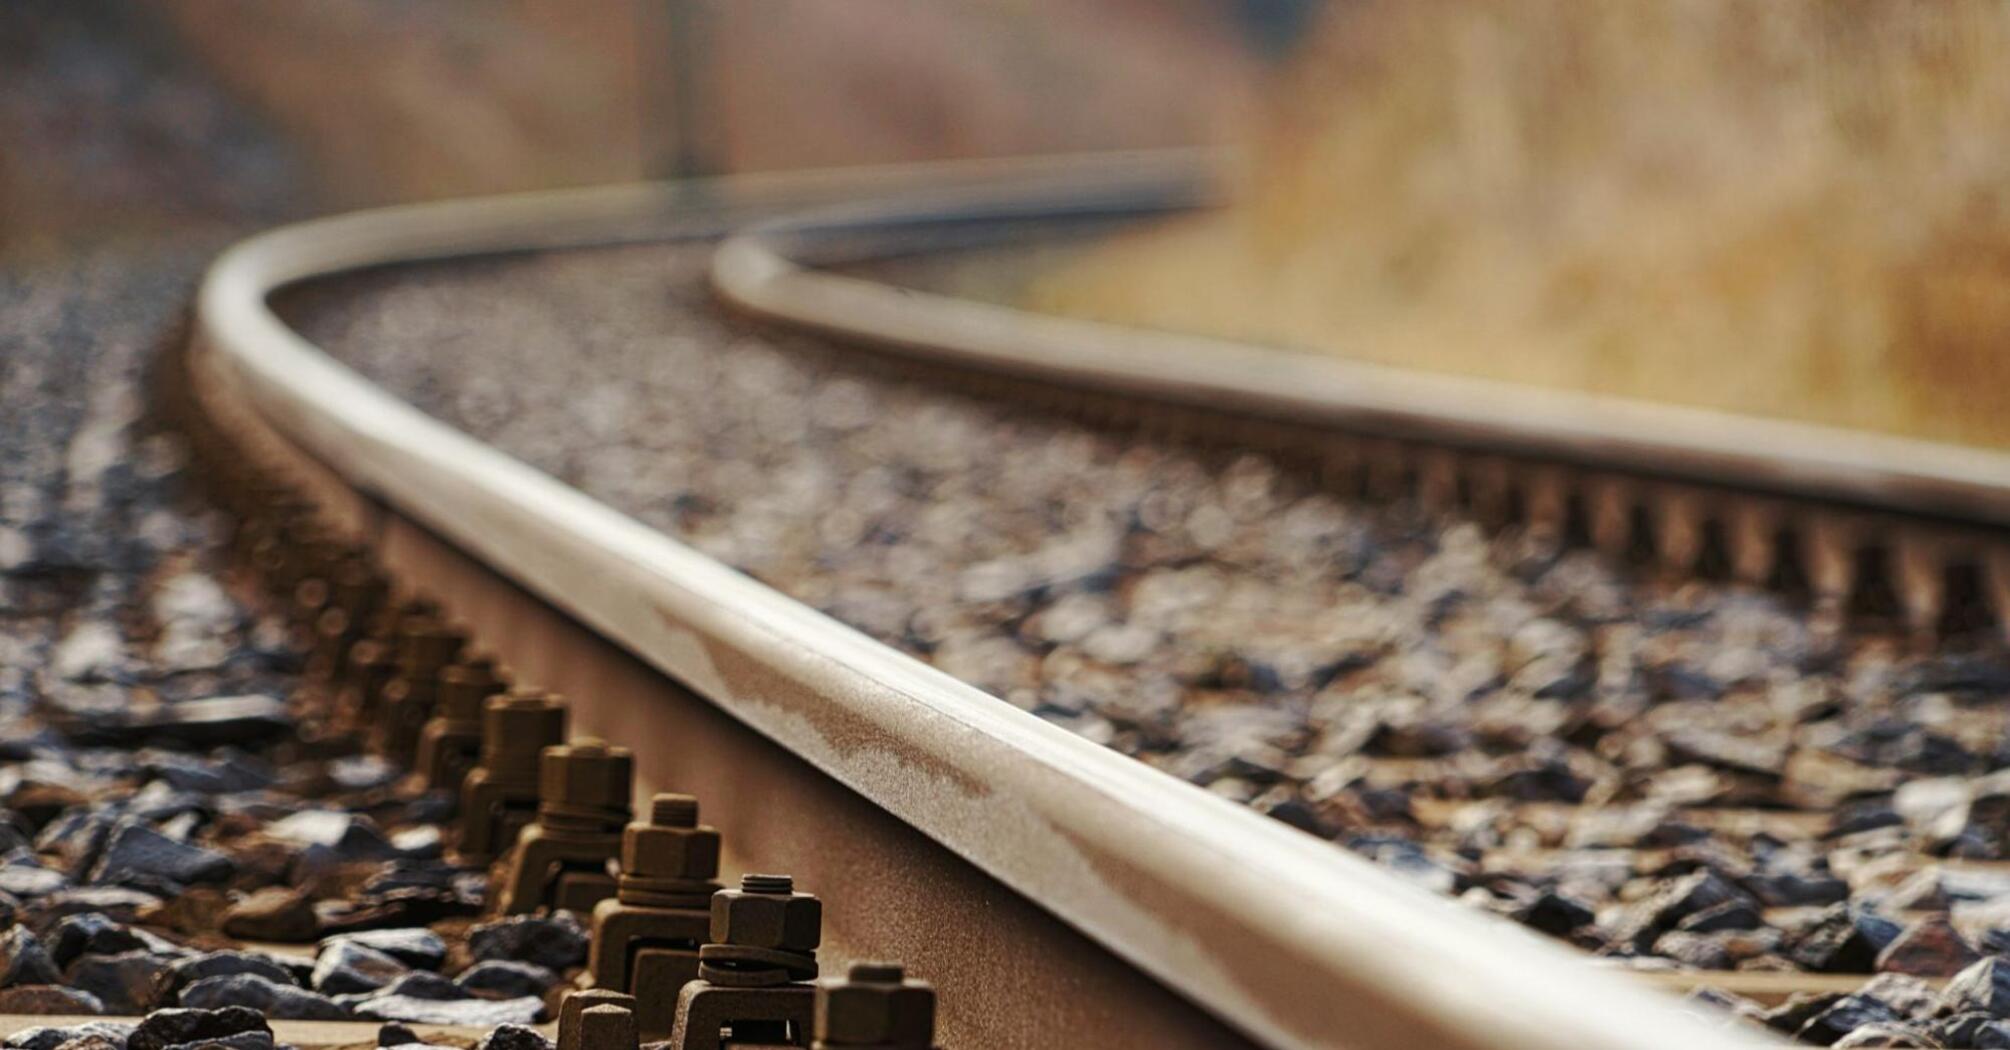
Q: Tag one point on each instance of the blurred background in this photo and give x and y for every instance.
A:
(123, 118)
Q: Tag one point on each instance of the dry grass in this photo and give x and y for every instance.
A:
(1797, 208)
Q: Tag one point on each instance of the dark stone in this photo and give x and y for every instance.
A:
(1798, 1010)
(185, 972)
(1984, 987)
(207, 776)
(418, 984)
(1930, 947)
(555, 942)
(92, 933)
(175, 1027)
(125, 982)
(506, 979)
(1844, 939)
(1842, 1017)
(416, 947)
(23, 960)
(192, 723)
(1730, 915)
(414, 906)
(273, 914)
(44, 1038)
(138, 852)
(345, 967)
(46, 999)
(1678, 899)
(514, 1037)
(1553, 913)
(240, 1041)
(395, 1034)
(1793, 889)
(277, 1001)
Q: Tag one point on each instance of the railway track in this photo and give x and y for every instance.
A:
(1054, 892)
(1855, 521)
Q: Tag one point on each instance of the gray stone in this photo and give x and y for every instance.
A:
(178, 1026)
(49, 1038)
(137, 852)
(555, 942)
(185, 972)
(23, 960)
(274, 1000)
(48, 999)
(506, 979)
(126, 982)
(346, 967)
(416, 947)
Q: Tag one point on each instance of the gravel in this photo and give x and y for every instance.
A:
(147, 746)
(1669, 774)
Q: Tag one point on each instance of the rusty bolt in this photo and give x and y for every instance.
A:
(465, 685)
(672, 845)
(766, 912)
(607, 1028)
(516, 727)
(586, 775)
(574, 1006)
(875, 1005)
(425, 644)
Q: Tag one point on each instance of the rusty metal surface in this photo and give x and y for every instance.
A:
(945, 829)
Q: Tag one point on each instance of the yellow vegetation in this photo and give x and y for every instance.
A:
(1797, 208)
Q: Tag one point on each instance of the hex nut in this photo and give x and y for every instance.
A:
(588, 773)
(883, 1011)
(653, 852)
(763, 920)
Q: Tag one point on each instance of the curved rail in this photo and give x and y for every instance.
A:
(772, 270)
(1292, 941)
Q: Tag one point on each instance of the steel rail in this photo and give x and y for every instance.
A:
(777, 269)
(1293, 942)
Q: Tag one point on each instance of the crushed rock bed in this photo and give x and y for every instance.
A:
(1527, 728)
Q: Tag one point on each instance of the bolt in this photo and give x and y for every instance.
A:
(588, 775)
(672, 845)
(766, 912)
(875, 1005)
(425, 645)
(465, 685)
(607, 1028)
(515, 728)
(576, 1004)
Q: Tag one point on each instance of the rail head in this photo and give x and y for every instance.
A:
(1288, 938)
(779, 269)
